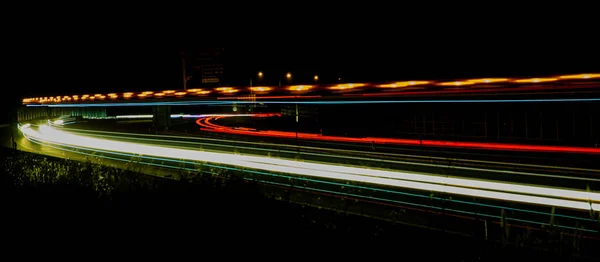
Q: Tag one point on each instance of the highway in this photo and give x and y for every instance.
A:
(575, 177)
(416, 183)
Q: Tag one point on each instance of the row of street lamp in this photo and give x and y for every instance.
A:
(288, 76)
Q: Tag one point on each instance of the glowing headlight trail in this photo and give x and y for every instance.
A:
(499, 186)
(165, 138)
(472, 183)
(159, 138)
(293, 167)
(175, 166)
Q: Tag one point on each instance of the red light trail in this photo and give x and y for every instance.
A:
(206, 125)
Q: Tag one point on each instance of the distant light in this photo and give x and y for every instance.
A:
(456, 83)
(580, 76)
(133, 116)
(169, 91)
(288, 75)
(194, 90)
(180, 93)
(536, 80)
(316, 77)
(300, 88)
(261, 88)
(488, 80)
(347, 86)
(260, 74)
(404, 84)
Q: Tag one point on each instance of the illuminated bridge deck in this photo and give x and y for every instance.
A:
(568, 86)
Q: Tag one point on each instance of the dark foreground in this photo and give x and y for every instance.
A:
(69, 204)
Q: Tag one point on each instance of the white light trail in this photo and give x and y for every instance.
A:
(520, 193)
(462, 182)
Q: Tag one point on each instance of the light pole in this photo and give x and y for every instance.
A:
(252, 96)
(183, 71)
(297, 140)
(288, 76)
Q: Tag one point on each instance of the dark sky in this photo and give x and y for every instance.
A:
(95, 52)
(82, 69)
(54, 68)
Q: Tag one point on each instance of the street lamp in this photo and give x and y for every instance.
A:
(260, 76)
(316, 78)
(289, 78)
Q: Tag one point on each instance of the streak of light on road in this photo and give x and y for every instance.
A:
(208, 126)
(170, 163)
(572, 199)
(169, 139)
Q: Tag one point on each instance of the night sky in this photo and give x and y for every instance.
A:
(113, 69)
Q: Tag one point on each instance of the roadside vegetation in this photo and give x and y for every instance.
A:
(45, 196)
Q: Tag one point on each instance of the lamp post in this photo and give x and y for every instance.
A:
(184, 76)
(252, 96)
(288, 76)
